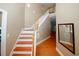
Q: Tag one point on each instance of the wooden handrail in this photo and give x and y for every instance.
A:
(34, 44)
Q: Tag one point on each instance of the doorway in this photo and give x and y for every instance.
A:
(3, 29)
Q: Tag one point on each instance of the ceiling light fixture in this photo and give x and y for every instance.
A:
(28, 5)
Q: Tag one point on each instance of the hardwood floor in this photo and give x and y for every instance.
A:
(48, 47)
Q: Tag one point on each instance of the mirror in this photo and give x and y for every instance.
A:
(66, 36)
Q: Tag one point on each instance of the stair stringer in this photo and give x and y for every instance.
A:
(14, 45)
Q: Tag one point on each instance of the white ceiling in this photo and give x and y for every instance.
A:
(47, 4)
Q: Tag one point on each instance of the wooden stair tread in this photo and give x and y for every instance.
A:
(21, 55)
(26, 34)
(25, 37)
(28, 29)
(23, 49)
(24, 42)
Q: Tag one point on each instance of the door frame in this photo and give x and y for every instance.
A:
(3, 32)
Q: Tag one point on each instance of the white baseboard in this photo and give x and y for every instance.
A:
(59, 51)
(42, 40)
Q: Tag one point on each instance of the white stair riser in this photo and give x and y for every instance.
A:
(27, 32)
(24, 45)
(25, 35)
(24, 40)
(22, 52)
(27, 28)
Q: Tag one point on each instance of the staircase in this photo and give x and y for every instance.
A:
(24, 44)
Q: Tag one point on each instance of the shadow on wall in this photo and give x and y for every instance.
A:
(53, 23)
(44, 30)
(48, 26)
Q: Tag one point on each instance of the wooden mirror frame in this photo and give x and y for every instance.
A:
(72, 36)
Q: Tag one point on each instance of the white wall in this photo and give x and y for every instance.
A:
(35, 11)
(44, 29)
(68, 13)
(32, 14)
(15, 22)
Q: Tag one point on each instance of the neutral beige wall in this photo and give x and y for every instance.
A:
(44, 30)
(15, 22)
(68, 13)
(33, 13)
